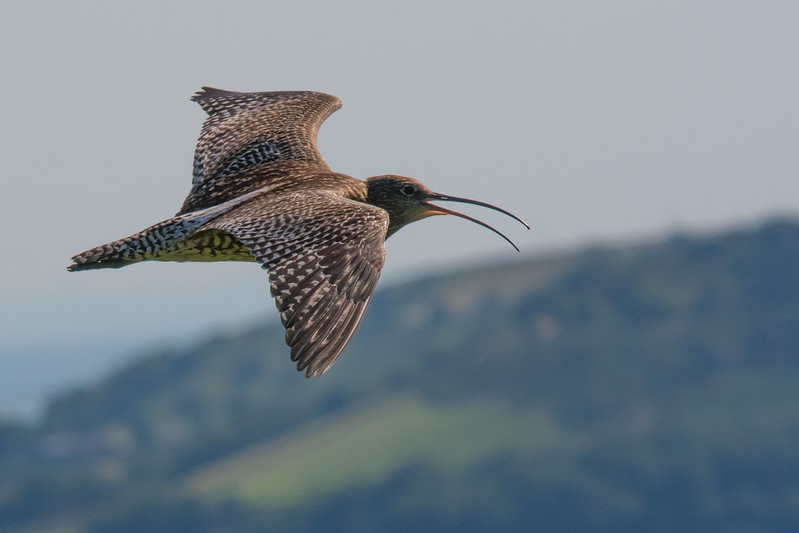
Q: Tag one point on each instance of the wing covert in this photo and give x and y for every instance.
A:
(246, 133)
(324, 254)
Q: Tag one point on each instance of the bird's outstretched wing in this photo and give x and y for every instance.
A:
(250, 138)
(324, 254)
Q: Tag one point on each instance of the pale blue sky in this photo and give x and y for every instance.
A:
(594, 121)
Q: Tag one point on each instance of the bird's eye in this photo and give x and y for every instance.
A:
(409, 190)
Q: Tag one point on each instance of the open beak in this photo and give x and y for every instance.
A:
(437, 210)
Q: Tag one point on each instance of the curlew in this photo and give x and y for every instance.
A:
(262, 192)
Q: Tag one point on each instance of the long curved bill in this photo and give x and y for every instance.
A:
(438, 210)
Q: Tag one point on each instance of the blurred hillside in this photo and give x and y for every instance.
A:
(647, 388)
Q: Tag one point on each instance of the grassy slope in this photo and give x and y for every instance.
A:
(367, 446)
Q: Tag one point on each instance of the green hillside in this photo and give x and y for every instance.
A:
(366, 447)
(647, 388)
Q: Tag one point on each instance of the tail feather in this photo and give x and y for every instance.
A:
(151, 243)
(162, 240)
(104, 256)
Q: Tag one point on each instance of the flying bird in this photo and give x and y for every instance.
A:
(262, 192)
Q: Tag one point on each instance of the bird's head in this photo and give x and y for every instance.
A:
(407, 200)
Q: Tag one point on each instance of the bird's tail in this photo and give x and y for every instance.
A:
(114, 254)
(109, 255)
(177, 239)
(150, 243)
(168, 241)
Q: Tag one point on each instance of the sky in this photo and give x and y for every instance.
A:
(594, 121)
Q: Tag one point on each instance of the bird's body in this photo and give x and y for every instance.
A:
(262, 192)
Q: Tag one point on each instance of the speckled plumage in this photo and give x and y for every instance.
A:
(261, 191)
(250, 139)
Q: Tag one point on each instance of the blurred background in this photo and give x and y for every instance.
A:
(633, 369)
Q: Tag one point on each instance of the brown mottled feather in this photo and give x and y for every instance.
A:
(324, 254)
(250, 139)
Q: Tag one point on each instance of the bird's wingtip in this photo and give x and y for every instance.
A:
(205, 93)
